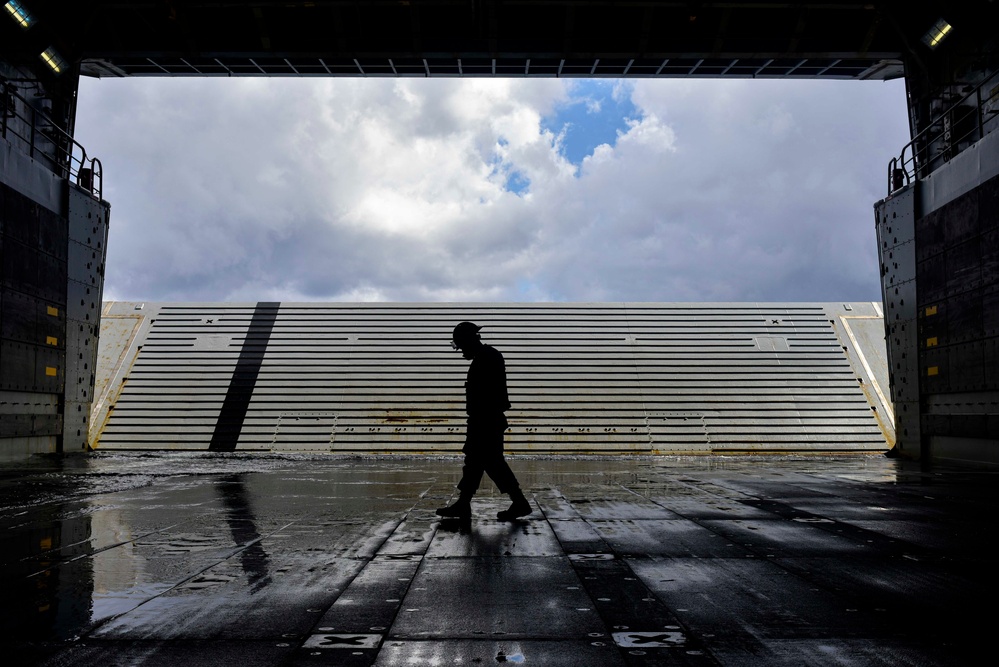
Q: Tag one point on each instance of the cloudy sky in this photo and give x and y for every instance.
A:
(270, 189)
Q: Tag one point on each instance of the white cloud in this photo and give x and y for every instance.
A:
(375, 189)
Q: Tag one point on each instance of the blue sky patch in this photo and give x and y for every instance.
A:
(591, 117)
(517, 183)
(514, 181)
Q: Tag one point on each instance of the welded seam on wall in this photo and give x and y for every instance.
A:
(244, 377)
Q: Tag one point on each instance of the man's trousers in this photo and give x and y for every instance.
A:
(484, 454)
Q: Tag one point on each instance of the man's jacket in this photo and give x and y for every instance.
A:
(485, 386)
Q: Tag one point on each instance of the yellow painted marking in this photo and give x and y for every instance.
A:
(51, 340)
(931, 310)
(931, 342)
(51, 371)
(933, 370)
(53, 311)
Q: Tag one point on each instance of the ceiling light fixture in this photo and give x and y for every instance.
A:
(937, 33)
(53, 60)
(19, 14)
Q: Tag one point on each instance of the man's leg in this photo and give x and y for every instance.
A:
(495, 465)
(499, 471)
(471, 476)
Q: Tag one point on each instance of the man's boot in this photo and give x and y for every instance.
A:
(460, 509)
(519, 508)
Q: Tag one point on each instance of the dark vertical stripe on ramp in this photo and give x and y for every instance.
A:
(244, 377)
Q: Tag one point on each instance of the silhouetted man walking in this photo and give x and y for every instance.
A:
(486, 401)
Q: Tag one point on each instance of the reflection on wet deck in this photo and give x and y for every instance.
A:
(287, 560)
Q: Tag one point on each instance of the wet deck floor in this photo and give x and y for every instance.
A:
(174, 559)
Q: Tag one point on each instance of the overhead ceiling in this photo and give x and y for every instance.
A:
(591, 38)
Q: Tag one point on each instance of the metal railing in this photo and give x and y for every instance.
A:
(950, 132)
(42, 139)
